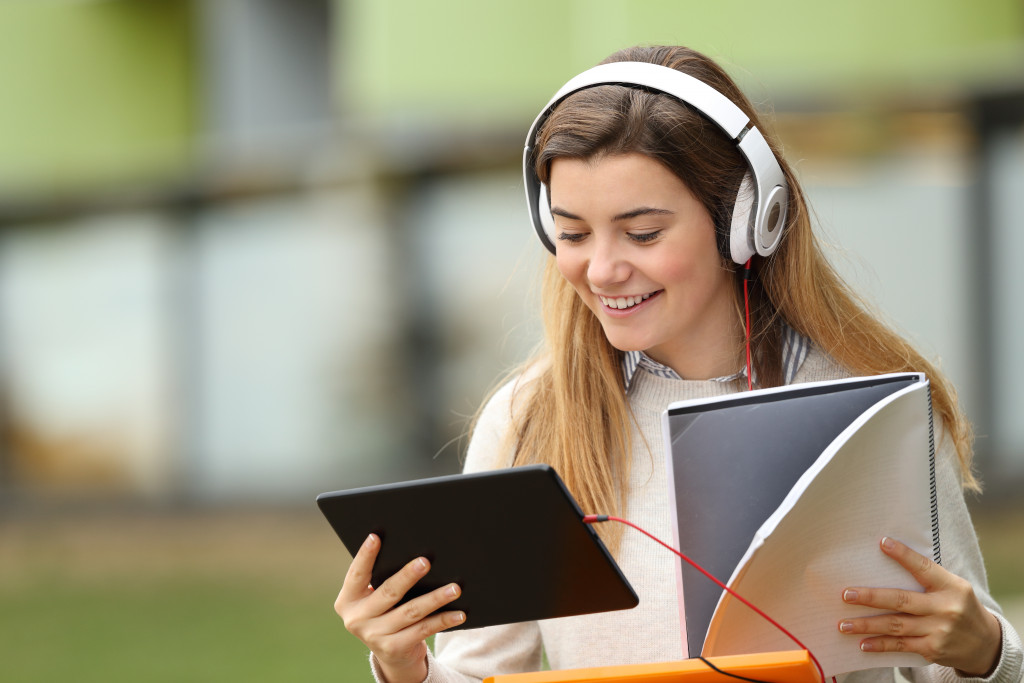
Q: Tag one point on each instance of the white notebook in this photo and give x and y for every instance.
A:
(785, 493)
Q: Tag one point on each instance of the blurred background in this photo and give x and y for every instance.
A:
(253, 250)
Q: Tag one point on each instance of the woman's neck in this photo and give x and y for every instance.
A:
(706, 355)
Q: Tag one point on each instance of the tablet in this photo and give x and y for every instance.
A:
(513, 539)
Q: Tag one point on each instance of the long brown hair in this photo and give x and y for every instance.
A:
(572, 413)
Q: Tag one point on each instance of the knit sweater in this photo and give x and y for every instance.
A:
(651, 631)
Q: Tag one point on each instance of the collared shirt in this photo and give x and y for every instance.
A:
(794, 351)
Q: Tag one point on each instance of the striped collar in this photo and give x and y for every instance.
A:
(794, 351)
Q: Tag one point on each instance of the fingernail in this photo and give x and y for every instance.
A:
(421, 564)
(453, 590)
(459, 617)
(867, 646)
(370, 541)
(850, 595)
(846, 626)
(888, 543)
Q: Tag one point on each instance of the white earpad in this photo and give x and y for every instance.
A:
(769, 229)
(741, 233)
(547, 221)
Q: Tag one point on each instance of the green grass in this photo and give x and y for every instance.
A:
(207, 597)
(173, 630)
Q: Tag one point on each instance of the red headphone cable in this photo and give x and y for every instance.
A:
(591, 519)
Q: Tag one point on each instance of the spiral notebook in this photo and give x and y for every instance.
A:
(786, 492)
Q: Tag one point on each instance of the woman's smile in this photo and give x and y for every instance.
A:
(624, 305)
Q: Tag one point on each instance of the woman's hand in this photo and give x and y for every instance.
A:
(395, 635)
(946, 624)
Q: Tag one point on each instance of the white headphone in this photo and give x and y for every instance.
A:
(760, 211)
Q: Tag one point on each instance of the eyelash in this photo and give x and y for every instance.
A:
(644, 237)
(639, 237)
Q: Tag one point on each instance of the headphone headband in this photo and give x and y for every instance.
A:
(760, 231)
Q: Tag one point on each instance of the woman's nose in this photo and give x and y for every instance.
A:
(607, 267)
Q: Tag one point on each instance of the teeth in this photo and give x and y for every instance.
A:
(623, 301)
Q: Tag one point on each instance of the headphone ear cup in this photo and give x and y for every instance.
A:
(547, 221)
(768, 231)
(741, 232)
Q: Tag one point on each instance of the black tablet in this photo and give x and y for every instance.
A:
(513, 539)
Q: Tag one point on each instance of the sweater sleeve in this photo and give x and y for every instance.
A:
(961, 555)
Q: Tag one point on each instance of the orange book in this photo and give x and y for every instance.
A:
(781, 667)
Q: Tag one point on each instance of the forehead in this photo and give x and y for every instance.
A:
(619, 177)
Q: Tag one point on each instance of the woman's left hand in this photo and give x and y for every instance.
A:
(946, 624)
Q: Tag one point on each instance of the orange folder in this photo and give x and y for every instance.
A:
(782, 667)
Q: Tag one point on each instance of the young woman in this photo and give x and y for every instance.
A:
(644, 305)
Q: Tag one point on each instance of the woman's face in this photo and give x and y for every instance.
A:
(640, 251)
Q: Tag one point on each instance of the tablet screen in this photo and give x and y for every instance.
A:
(513, 539)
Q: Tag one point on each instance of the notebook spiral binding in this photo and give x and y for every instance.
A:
(936, 554)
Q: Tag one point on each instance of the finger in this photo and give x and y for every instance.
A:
(357, 578)
(408, 644)
(898, 625)
(391, 591)
(419, 609)
(924, 571)
(889, 599)
(896, 644)
(433, 625)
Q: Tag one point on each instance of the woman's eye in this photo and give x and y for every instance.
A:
(571, 237)
(643, 237)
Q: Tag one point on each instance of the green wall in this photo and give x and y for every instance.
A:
(94, 93)
(98, 93)
(487, 59)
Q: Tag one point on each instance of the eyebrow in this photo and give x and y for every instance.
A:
(626, 215)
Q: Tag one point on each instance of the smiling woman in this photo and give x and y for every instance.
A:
(641, 253)
(668, 206)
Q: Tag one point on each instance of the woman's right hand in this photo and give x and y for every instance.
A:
(396, 636)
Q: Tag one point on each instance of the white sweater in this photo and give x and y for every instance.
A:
(651, 632)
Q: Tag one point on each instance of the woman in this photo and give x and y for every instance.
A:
(644, 305)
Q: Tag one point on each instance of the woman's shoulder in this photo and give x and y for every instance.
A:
(489, 445)
(818, 366)
(511, 394)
